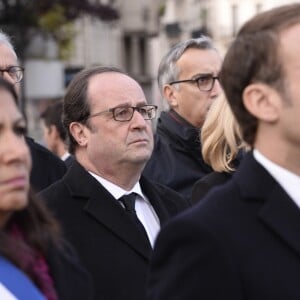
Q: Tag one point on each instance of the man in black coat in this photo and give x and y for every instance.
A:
(242, 240)
(46, 167)
(109, 125)
(54, 132)
(188, 81)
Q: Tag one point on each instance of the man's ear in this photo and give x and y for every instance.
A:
(78, 131)
(262, 101)
(170, 94)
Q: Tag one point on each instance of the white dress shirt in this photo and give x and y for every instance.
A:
(289, 181)
(65, 156)
(144, 209)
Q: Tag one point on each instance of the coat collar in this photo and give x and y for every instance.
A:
(278, 211)
(179, 129)
(105, 209)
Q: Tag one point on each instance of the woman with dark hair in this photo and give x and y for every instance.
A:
(35, 263)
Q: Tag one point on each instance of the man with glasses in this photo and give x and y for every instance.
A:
(109, 212)
(188, 81)
(46, 167)
(243, 241)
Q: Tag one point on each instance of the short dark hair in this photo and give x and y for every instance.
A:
(76, 106)
(52, 116)
(254, 56)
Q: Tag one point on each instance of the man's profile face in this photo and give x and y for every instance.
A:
(289, 122)
(113, 144)
(193, 104)
(8, 59)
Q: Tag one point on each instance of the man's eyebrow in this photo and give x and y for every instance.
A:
(203, 75)
(127, 104)
(141, 104)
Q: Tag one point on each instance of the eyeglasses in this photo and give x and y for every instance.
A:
(14, 72)
(205, 82)
(124, 114)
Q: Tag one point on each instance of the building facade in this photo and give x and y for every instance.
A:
(143, 34)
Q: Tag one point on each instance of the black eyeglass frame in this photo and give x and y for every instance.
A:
(197, 79)
(134, 108)
(17, 70)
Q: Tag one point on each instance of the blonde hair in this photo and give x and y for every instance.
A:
(221, 137)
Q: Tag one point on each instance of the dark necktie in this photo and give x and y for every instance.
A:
(129, 205)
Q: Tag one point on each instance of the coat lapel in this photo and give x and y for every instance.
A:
(104, 208)
(282, 216)
(156, 200)
(107, 211)
(278, 211)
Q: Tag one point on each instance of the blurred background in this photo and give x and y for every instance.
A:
(55, 39)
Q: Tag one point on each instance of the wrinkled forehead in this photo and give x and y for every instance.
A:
(112, 89)
(7, 56)
(199, 61)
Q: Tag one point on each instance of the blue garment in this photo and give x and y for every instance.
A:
(14, 284)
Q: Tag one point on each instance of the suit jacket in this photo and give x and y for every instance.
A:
(46, 167)
(108, 243)
(176, 160)
(241, 242)
(68, 162)
(206, 183)
(70, 279)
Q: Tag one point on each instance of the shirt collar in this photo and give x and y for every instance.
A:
(289, 181)
(116, 191)
(65, 156)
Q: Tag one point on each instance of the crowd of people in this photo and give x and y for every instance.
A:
(207, 207)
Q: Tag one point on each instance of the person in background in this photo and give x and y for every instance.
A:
(109, 212)
(222, 147)
(188, 81)
(54, 132)
(242, 240)
(46, 167)
(35, 263)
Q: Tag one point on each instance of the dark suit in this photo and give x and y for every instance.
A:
(241, 242)
(46, 167)
(71, 281)
(68, 162)
(206, 183)
(107, 241)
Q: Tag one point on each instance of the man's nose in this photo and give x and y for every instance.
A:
(216, 90)
(5, 75)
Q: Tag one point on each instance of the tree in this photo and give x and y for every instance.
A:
(22, 19)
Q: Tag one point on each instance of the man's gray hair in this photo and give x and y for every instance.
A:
(5, 39)
(168, 71)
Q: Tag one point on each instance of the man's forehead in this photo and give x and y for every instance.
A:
(7, 56)
(206, 61)
(116, 86)
(112, 82)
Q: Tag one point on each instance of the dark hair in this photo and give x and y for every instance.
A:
(52, 116)
(76, 106)
(254, 56)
